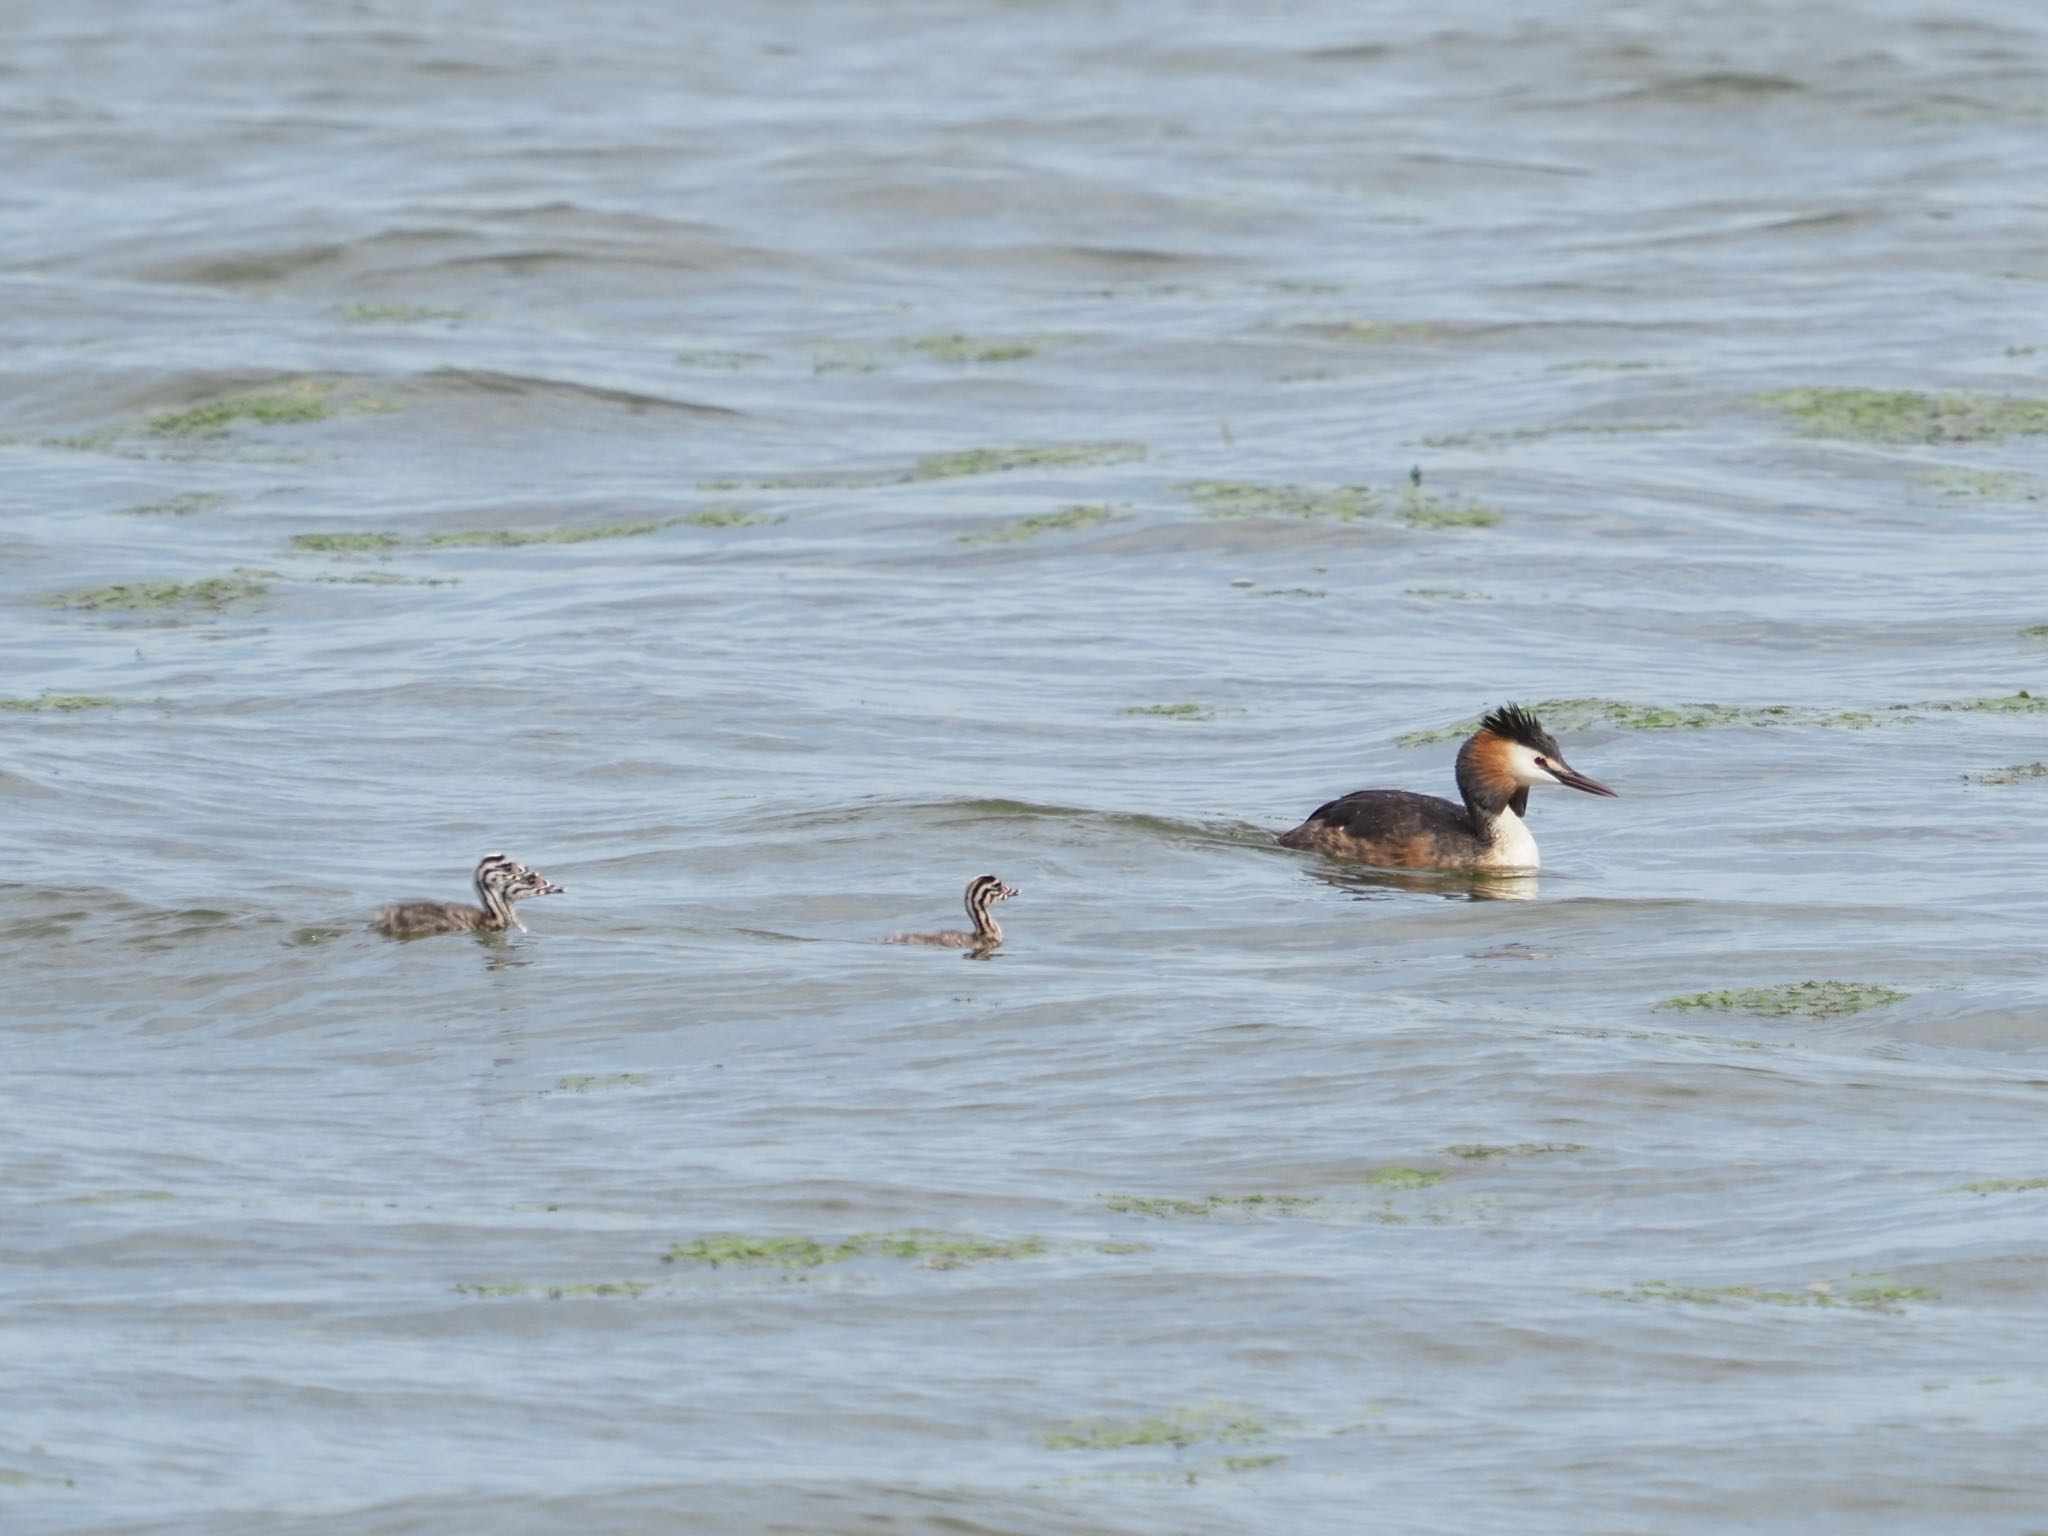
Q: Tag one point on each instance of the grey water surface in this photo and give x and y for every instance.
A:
(649, 441)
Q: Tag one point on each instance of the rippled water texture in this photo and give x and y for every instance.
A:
(764, 470)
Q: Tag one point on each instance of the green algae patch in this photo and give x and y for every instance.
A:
(1420, 509)
(2021, 703)
(1999, 1186)
(286, 406)
(586, 1082)
(723, 517)
(953, 347)
(1400, 1176)
(59, 703)
(1177, 1427)
(1798, 999)
(1862, 1293)
(521, 538)
(933, 1250)
(385, 579)
(210, 594)
(992, 461)
(1372, 332)
(178, 506)
(1500, 437)
(1478, 1151)
(1907, 416)
(1172, 711)
(2019, 773)
(1985, 485)
(713, 357)
(625, 1290)
(1119, 1249)
(397, 314)
(1244, 498)
(1069, 519)
(1166, 1207)
(1620, 714)
(346, 543)
(111, 1197)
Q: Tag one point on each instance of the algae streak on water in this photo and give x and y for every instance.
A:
(933, 1250)
(1177, 1427)
(990, 461)
(210, 594)
(1799, 999)
(59, 703)
(1067, 520)
(1579, 714)
(1907, 416)
(1862, 1293)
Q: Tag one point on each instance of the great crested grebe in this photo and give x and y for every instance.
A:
(983, 892)
(499, 882)
(1397, 830)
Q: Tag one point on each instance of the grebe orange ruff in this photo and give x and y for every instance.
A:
(1397, 830)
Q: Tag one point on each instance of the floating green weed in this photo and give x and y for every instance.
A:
(1907, 416)
(1475, 1151)
(711, 357)
(398, 314)
(846, 357)
(990, 461)
(178, 506)
(629, 1290)
(1070, 519)
(1373, 331)
(520, 538)
(1864, 1293)
(935, 1250)
(2021, 703)
(2000, 1186)
(111, 1197)
(1800, 999)
(723, 517)
(1985, 484)
(210, 594)
(1244, 498)
(583, 1082)
(1177, 1427)
(302, 401)
(2017, 774)
(1400, 1176)
(59, 703)
(1419, 509)
(346, 543)
(1172, 711)
(1207, 1205)
(1578, 714)
(384, 579)
(1503, 435)
(956, 348)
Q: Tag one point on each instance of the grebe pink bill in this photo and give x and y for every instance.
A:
(983, 892)
(500, 881)
(1497, 766)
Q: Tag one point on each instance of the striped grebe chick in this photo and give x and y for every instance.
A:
(500, 881)
(1397, 830)
(983, 892)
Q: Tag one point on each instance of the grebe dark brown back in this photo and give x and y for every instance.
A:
(499, 882)
(983, 892)
(1397, 830)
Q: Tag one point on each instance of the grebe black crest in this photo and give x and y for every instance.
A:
(983, 892)
(1497, 765)
(500, 881)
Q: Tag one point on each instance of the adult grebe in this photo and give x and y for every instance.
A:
(1397, 830)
